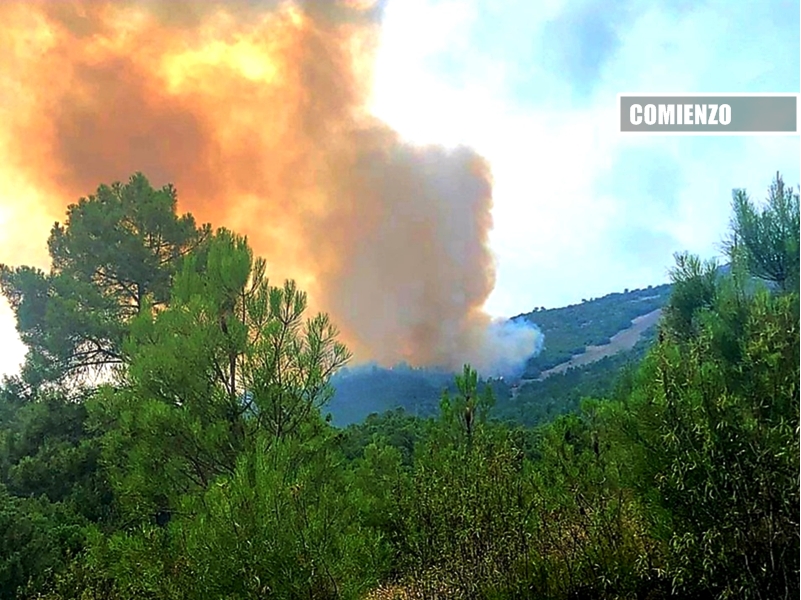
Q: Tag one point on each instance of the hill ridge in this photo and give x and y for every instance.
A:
(578, 340)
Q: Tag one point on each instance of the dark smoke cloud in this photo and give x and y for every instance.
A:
(257, 112)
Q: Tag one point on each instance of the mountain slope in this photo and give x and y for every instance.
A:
(570, 330)
(585, 346)
(623, 341)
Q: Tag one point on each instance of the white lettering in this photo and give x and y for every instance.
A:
(700, 114)
(635, 114)
(725, 114)
(650, 114)
(680, 114)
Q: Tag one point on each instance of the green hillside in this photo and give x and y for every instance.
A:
(568, 331)
(372, 389)
(538, 401)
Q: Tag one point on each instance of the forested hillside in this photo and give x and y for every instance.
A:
(569, 330)
(167, 437)
(374, 389)
(550, 384)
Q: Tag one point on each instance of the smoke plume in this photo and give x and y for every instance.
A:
(257, 111)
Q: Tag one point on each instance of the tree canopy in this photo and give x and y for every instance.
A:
(117, 250)
(766, 239)
(205, 469)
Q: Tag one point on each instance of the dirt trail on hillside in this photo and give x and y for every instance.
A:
(623, 340)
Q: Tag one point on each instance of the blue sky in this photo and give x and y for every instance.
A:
(579, 210)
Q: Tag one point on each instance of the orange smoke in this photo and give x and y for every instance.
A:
(257, 112)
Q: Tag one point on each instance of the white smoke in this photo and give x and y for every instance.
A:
(506, 348)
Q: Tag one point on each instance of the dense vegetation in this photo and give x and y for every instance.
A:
(165, 438)
(540, 401)
(371, 389)
(368, 393)
(568, 331)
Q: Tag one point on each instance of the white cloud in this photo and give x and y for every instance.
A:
(557, 237)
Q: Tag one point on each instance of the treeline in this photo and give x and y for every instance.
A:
(165, 438)
(541, 401)
(413, 393)
(570, 329)
(373, 389)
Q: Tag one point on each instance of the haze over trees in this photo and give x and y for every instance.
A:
(200, 464)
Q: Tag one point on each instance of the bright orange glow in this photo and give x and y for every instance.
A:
(257, 113)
